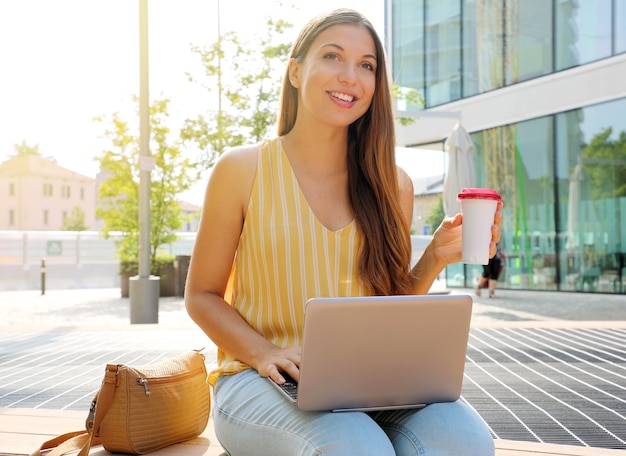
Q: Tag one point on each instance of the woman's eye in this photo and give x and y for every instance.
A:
(368, 66)
(331, 56)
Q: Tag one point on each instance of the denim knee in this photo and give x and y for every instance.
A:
(444, 429)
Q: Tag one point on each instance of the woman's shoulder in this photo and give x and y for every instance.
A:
(238, 160)
(238, 154)
(234, 172)
(405, 183)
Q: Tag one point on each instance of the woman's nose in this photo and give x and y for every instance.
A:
(348, 74)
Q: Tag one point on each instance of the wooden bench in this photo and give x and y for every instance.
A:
(24, 430)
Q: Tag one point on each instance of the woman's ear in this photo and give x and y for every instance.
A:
(294, 72)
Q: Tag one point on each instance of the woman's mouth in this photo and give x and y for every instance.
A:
(342, 96)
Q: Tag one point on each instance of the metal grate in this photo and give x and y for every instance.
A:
(63, 371)
(565, 386)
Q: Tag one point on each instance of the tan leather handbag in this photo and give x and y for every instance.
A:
(142, 409)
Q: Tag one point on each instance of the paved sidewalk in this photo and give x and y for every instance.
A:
(104, 308)
(86, 309)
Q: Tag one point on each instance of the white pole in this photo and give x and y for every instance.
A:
(144, 288)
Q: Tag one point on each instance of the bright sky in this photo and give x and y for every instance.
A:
(64, 62)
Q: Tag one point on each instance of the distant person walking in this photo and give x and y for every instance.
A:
(491, 272)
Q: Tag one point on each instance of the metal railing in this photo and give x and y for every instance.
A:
(82, 259)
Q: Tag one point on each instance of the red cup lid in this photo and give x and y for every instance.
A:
(479, 193)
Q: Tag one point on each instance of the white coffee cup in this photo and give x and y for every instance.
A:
(478, 206)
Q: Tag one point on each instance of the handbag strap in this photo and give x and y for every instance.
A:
(84, 440)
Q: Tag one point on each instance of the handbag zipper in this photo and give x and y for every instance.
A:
(146, 382)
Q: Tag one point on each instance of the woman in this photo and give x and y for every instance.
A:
(321, 210)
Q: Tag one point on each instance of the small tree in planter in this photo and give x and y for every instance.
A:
(118, 193)
(162, 266)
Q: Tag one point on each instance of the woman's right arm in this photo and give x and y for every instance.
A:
(223, 213)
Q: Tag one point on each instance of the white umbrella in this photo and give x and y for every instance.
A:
(573, 213)
(460, 172)
(581, 224)
(581, 215)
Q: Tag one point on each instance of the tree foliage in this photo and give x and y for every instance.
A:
(604, 162)
(118, 195)
(245, 78)
(75, 221)
(436, 215)
(24, 149)
(406, 96)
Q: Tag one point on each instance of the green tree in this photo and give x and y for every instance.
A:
(436, 215)
(118, 195)
(409, 97)
(23, 149)
(75, 221)
(245, 78)
(604, 162)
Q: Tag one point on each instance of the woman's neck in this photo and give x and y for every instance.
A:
(317, 148)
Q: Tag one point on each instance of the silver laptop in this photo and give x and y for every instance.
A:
(382, 352)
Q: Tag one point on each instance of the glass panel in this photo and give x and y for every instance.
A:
(408, 44)
(620, 26)
(583, 32)
(443, 51)
(517, 161)
(592, 184)
(528, 44)
(482, 46)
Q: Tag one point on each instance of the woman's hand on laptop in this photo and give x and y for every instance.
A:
(278, 360)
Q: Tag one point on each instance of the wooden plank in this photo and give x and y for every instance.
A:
(516, 448)
(23, 430)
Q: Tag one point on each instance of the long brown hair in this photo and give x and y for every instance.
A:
(373, 178)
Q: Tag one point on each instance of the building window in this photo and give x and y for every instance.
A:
(620, 27)
(11, 189)
(443, 52)
(11, 217)
(408, 44)
(583, 32)
(82, 193)
(451, 49)
(65, 191)
(47, 189)
(528, 40)
(592, 185)
(45, 217)
(482, 47)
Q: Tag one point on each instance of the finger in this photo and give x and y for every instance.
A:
(492, 250)
(275, 375)
(498, 218)
(495, 234)
(290, 368)
(452, 222)
(294, 371)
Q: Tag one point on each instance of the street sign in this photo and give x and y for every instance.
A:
(54, 248)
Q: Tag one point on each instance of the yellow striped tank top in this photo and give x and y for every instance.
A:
(286, 256)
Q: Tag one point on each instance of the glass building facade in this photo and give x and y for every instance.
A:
(562, 175)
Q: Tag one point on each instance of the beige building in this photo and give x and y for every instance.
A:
(427, 191)
(38, 194)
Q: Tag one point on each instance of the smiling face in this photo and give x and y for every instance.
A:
(336, 79)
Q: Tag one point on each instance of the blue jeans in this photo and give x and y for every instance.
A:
(253, 418)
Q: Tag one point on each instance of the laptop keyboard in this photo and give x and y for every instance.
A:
(290, 386)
